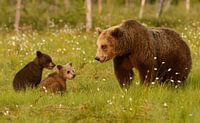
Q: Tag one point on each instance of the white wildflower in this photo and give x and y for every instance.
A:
(165, 104)
(177, 73)
(109, 102)
(83, 52)
(44, 87)
(6, 112)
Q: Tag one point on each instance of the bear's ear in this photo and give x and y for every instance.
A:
(116, 32)
(99, 30)
(70, 63)
(39, 54)
(59, 67)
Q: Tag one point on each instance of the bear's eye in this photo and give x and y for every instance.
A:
(103, 47)
(68, 72)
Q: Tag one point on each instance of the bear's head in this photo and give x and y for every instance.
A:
(67, 72)
(107, 43)
(44, 60)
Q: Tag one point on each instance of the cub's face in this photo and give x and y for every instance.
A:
(45, 60)
(66, 71)
(105, 46)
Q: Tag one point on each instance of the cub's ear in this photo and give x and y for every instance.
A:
(39, 54)
(99, 30)
(70, 63)
(116, 32)
(59, 67)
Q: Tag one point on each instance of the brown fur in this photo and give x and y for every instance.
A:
(56, 82)
(31, 74)
(155, 52)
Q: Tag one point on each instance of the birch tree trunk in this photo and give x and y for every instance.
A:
(109, 5)
(141, 9)
(167, 5)
(17, 16)
(160, 8)
(67, 4)
(126, 3)
(100, 7)
(88, 15)
(187, 5)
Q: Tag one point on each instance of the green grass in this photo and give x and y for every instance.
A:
(94, 95)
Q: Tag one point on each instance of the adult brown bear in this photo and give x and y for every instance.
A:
(157, 53)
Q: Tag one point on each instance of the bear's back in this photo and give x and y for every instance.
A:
(168, 41)
(53, 83)
(29, 76)
(172, 53)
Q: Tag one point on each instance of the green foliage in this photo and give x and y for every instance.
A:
(45, 14)
(94, 95)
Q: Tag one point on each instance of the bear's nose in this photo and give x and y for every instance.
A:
(97, 58)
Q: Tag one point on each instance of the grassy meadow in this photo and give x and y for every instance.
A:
(94, 95)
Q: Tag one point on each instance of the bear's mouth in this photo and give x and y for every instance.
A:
(104, 60)
(50, 67)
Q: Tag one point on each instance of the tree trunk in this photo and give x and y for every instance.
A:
(67, 4)
(109, 5)
(126, 3)
(133, 4)
(160, 8)
(100, 7)
(168, 4)
(187, 5)
(88, 15)
(17, 16)
(141, 9)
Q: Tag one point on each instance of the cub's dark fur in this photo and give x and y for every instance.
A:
(31, 74)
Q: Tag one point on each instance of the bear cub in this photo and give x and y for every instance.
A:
(56, 82)
(30, 76)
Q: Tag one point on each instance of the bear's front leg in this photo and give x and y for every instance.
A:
(123, 70)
